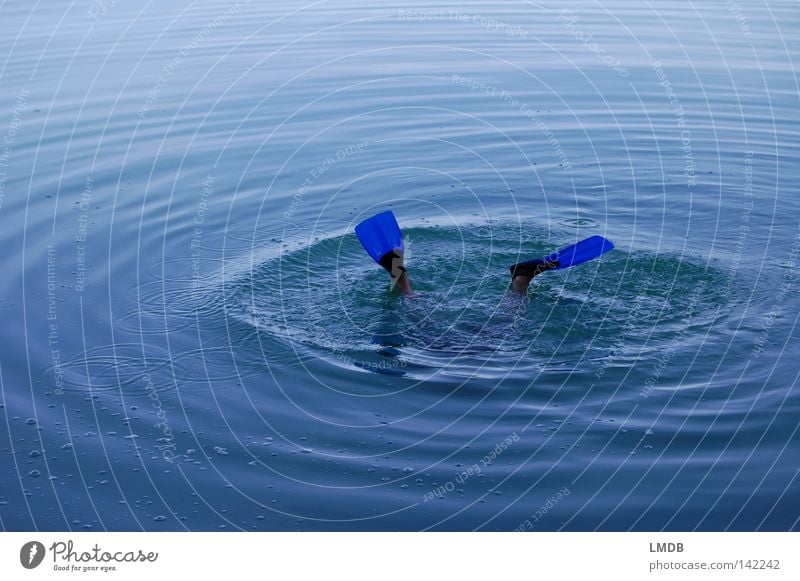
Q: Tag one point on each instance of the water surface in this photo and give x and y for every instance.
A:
(194, 339)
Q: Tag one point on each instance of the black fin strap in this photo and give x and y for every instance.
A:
(532, 267)
(387, 261)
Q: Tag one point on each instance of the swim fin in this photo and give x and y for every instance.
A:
(578, 253)
(381, 237)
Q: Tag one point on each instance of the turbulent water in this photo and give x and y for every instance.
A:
(193, 337)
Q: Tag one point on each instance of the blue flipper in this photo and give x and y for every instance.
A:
(380, 235)
(583, 251)
(578, 253)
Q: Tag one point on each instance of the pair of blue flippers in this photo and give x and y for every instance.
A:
(381, 235)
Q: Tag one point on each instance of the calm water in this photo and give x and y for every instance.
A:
(194, 339)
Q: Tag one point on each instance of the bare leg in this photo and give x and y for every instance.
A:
(403, 283)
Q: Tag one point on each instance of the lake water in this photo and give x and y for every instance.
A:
(194, 339)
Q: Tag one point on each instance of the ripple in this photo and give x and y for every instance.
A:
(140, 322)
(108, 367)
(579, 222)
(123, 365)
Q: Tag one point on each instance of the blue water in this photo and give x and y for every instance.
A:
(194, 339)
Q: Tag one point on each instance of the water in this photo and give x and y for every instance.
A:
(193, 338)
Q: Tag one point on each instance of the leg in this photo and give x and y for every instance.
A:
(520, 283)
(393, 263)
(522, 273)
